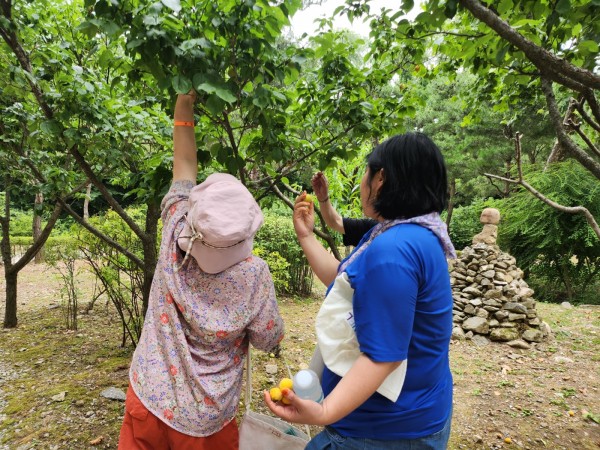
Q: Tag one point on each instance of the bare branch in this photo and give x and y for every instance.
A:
(566, 209)
(584, 115)
(568, 144)
(577, 127)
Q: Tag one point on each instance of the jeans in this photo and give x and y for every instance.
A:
(329, 439)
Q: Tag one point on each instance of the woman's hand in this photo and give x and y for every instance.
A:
(304, 216)
(320, 186)
(298, 410)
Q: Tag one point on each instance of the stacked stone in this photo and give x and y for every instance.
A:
(492, 301)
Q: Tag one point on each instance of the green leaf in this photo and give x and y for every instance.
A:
(181, 84)
(213, 84)
(215, 104)
(588, 47)
(563, 7)
(175, 5)
(408, 5)
(51, 127)
(450, 10)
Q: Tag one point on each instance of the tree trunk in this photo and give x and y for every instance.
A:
(37, 225)
(150, 255)
(86, 202)
(10, 313)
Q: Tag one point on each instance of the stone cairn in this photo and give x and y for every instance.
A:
(491, 299)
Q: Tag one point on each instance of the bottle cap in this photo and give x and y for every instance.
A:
(303, 379)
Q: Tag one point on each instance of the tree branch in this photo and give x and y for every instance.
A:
(577, 127)
(568, 144)
(322, 234)
(566, 209)
(542, 58)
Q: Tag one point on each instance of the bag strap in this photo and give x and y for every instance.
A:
(248, 378)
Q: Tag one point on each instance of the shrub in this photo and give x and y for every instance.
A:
(559, 251)
(121, 278)
(21, 223)
(277, 236)
(278, 266)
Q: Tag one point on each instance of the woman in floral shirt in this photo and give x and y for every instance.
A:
(210, 299)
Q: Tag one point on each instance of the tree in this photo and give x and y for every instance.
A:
(266, 108)
(97, 127)
(513, 47)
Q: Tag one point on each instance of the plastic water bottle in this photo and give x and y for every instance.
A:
(307, 386)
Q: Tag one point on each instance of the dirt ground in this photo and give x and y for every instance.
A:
(51, 378)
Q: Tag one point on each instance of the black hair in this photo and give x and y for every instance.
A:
(415, 179)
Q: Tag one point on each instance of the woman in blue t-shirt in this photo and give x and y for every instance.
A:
(394, 389)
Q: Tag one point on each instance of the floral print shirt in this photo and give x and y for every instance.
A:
(187, 368)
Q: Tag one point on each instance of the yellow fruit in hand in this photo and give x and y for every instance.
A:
(285, 401)
(275, 394)
(309, 198)
(286, 383)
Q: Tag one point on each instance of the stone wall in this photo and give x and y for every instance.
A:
(492, 301)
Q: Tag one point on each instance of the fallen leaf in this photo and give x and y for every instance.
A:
(97, 441)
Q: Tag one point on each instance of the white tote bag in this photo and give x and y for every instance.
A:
(262, 432)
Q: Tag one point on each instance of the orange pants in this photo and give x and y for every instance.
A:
(142, 430)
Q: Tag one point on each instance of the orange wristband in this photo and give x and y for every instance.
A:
(182, 123)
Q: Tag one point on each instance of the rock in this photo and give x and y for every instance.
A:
(469, 309)
(493, 293)
(516, 317)
(60, 397)
(504, 334)
(458, 334)
(472, 291)
(476, 324)
(519, 343)
(490, 215)
(532, 335)
(501, 315)
(271, 369)
(488, 235)
(545, 329)
(480, 341)
(482, 313)
(515, 308)
(562, 359)
(566, 305)
(113, 393)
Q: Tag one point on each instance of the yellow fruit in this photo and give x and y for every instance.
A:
(309, 198)
(286, 383)
(285, 401)
(508, 440)
(275, 394)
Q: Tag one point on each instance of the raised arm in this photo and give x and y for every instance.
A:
(321, 261)
(185, 158)
(330, 215)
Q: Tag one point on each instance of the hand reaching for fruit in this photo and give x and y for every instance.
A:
(304, 215)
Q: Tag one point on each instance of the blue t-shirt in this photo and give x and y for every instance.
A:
(402, 310)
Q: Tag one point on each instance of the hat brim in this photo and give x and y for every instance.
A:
(215, 260)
